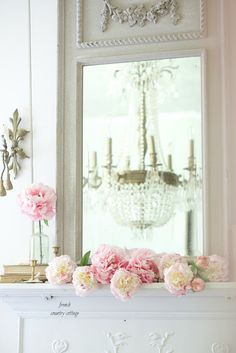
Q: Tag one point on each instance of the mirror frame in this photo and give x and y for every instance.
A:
(219, 139)
(75, 202)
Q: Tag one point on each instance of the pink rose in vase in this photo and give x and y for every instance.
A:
(38, 202)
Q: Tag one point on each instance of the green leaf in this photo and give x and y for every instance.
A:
(45, 222)
(85, 259)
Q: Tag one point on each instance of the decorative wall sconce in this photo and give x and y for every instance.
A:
(10, 155)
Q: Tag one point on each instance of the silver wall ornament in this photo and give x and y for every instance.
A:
(138, 14)
(11, 152)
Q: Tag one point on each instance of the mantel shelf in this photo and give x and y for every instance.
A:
(153, 290)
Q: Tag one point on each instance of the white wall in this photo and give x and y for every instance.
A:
(28, 81)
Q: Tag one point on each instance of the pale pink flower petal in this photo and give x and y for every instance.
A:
(178, 278)
(217, 270)
(143, 262)
(84, 280)
(106, 260)
(124, 284)
(167, 260)
(202, 262)
(60, 270)
(197, 284)
(38, 201)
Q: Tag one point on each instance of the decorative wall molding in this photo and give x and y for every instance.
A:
(159, 342)
(138, 14)
(220, 348)
(59, 346)
(117, 341)
(158, 34)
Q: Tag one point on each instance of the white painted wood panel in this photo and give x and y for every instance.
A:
(54, 320)
(23, 22)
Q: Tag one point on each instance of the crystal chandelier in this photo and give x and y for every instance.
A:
(147, 195)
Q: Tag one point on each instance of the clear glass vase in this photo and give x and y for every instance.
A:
(39, 246)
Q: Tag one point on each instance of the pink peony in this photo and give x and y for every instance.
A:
(197, 284)
(202, 262)
(167, 260)
(178, 278)
(143, 262)
(60, 270)
(124, 284)
(38, 201)
(217, 270)
(106, 260)
(84, 280)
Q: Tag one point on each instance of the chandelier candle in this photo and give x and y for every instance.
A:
(191, 166)
(108, 157)
(109, 146)
(191, 148)
(170, 163)
(151, 146)
(93, 160)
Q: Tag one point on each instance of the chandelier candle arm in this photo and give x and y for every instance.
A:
(127, 163)
(94, 180)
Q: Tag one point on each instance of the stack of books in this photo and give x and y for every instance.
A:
(21, 273)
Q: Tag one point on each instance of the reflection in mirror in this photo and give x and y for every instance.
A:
(142, 155)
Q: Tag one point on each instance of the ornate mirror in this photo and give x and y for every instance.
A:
(142, 154)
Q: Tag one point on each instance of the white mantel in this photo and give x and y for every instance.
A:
(52, 319)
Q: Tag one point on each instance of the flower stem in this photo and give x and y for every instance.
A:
(40, 243)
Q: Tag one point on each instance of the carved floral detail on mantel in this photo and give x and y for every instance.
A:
(220, 348)
(159, 342)
(59, 346)
(117, 341)
(138, 14)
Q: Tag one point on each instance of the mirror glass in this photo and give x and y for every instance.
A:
(142, 155)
